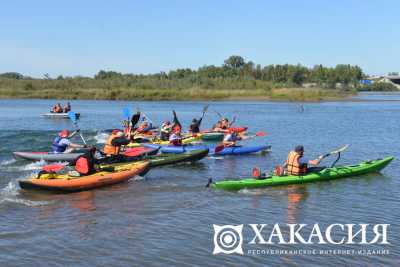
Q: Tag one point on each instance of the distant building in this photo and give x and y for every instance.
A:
(393, 79)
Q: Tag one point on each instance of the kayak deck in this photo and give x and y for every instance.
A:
(323, 175)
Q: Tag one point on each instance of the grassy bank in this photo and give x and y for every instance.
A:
(292, 94)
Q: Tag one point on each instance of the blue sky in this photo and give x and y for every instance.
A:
(81, 37)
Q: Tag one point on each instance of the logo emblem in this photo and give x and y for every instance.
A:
(228, 239)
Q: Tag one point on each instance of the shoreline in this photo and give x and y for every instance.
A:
(193, 94)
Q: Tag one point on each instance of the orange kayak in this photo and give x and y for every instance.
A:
(65, 183)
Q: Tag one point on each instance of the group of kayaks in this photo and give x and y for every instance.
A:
(140, 157)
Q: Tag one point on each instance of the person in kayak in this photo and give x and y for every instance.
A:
(231, 138)
(296, 164)
(176, 138)
(88, 164)
(165, 131)
(62, 144)
(67, 108)
(57, 108)
(113, 144)
(194, 127)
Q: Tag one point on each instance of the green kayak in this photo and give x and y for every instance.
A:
(323, 175)
(212, 136)
(167, 159)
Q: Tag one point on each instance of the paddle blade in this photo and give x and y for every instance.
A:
(219, 148)
(72, 116)
(205, 108)
(126, 113)
(261, 133)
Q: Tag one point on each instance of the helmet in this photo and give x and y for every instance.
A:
(63, 133)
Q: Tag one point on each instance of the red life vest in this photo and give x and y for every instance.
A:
(82, 166)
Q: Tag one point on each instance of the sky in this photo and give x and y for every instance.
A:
(82, 37)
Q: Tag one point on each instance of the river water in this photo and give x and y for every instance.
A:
(166, 218)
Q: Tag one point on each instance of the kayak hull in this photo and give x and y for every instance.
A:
(186, 140)
(47, 156)
(65, 183)
(236, 150)
(212, 136)
(59, 115)
(324, 175)
(168, 159)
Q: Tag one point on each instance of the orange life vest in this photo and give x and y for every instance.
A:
(109, 149)
(82, 166)
(293, 165)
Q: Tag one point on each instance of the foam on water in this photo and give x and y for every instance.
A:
(10, 193)
(101, 138)
(7, 162)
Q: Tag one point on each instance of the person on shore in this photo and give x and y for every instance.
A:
(67, 108)
(57, 108)
(62, 144)
(114, 142)
(297, 164)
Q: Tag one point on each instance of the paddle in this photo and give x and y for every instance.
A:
(126, 113)
(337, 151)
(72, 116)
(220, 147)
(205, 110)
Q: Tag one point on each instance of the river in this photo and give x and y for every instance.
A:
(167, 217)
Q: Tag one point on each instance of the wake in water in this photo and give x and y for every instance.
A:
(7, 162)
(101, 137)
(10, 194)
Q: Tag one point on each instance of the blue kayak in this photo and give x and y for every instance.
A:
(234, 150)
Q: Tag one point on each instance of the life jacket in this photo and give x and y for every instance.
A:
(57, 147)
(293, 165)
(109, 149)
(82, 165)
(194, 128)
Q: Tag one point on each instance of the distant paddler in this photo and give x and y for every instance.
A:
(194, 127)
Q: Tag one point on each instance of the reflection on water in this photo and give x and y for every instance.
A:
(296, 194)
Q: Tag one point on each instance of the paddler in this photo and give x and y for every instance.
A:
(231, 138)
(166, 130)
(176, 136)
(194, 127)
(87, 164)
(67, 108)
(297, 164)
(114, 142)
(62, 144)
(57, 108)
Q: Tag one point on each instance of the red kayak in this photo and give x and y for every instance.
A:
(139, 151)
(233, 129)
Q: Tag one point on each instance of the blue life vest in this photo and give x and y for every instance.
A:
(57, 147)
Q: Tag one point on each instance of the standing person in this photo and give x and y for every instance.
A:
(62, 144)
(297, 164)
(67, 108)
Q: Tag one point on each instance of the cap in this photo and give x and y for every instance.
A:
(299, 148)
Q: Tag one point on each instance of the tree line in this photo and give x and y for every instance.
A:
(234, 73)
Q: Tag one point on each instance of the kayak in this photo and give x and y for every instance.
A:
(167, 159)
(186, 140)
(235, 150)
(212, 136)
(59, 115)
(139, 151)
(66, 183)
(323, 175)
(48, 156)
(232, 129)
